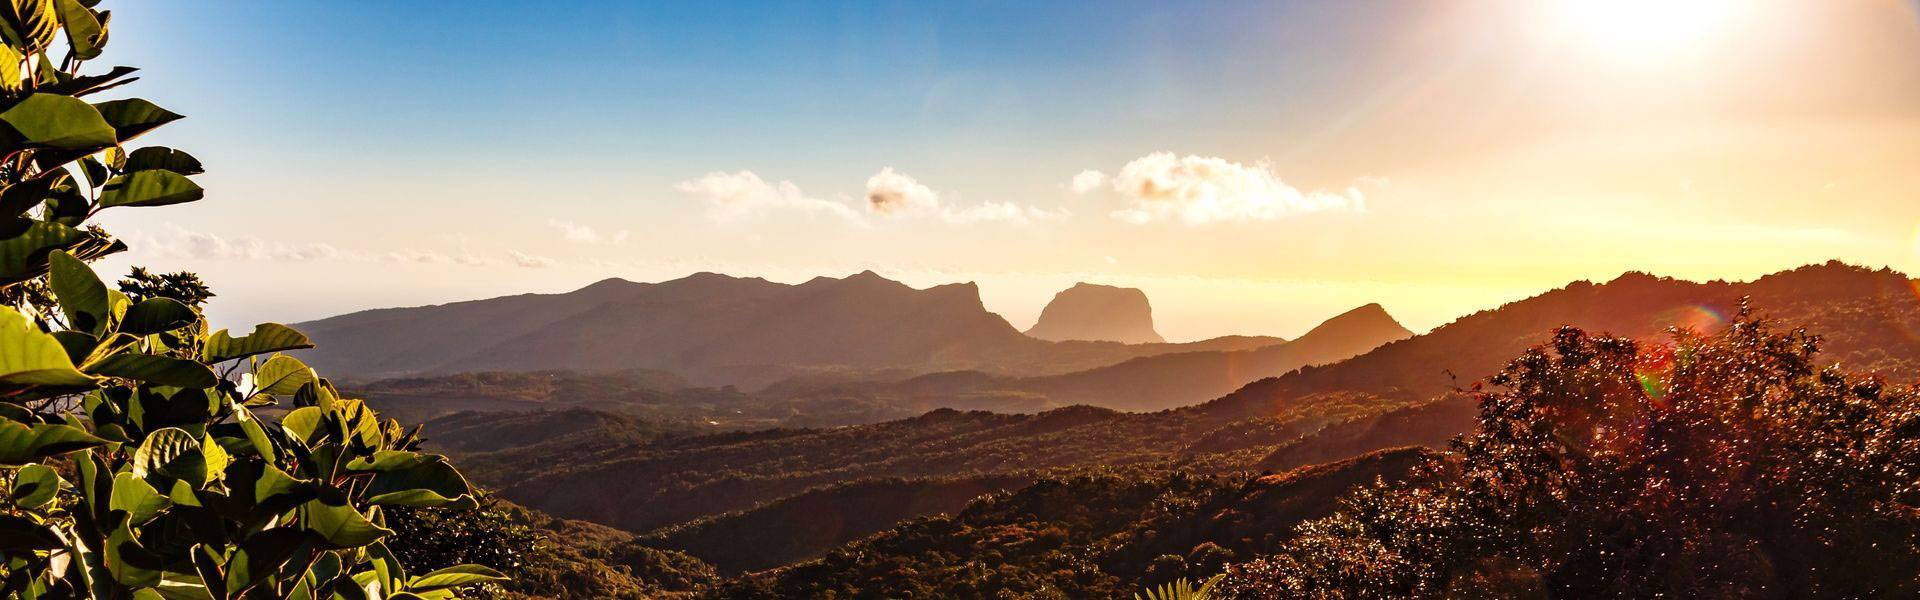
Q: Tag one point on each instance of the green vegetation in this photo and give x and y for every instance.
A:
(1729, 466)
(1106, 533)
(131, 460)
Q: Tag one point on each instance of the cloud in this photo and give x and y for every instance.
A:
(1087, 181)
(892, 192)
(181, 243)
(584, 234)
(735, 196)
(522, 259)
(897, 194)
(1199, 190)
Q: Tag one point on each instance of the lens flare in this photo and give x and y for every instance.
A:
(1699, 318)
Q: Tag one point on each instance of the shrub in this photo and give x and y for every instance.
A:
(131, 459)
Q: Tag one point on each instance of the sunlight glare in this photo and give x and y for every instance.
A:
(1656, 27)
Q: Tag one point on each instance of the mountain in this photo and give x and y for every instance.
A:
(1097, 313)
(714, 330)
(1162, 381)
(1396, 394)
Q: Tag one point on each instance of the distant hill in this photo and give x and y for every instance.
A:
(1379, 399)
(1098, 313)
(1087, 536)
(714, 330)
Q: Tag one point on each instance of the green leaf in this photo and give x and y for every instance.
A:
(21, 197)
(81, 294)
(161, 157)
(282, 375)
(341, 526)
(156, 315)
(29, 357)
(84, 32)
(302, 422)
(21, 444)
(172, 452)
(137, 497)
(454, 576)
(152, 187)
(155, 369)
(23, 255)
(266, 337)
(10, 68)
(413, 479)
(133, 116)
(34, 486)
(64, 122)
(20, 534)
(128, 562)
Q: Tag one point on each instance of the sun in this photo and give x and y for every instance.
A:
(1657, 27)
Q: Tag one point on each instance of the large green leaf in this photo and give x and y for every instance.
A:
(266, 337)
(30, 357)
(161, 157)
(152, 187)
(340, 525)
(155, 315)
(282, 375)
(21, 443)
(81, 294)
(23, 255)
(172, 452)
(34, 486)
(21, 197)
(133, 116)
(137, 497)
(454, 576)
(84, 30)
(414, 479)
(155, 369)
(64, 122)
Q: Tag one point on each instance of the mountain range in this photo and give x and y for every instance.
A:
(1404, 392)
(862, 335)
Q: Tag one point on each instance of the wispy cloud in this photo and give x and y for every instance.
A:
(1199, 190)
(585, 234)
(897, 194)
(742, 195)
(522, 259)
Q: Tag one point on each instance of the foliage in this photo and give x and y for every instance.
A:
(1722, 466)
(183, 286)
(1181, 589)
(1105, 533)
(134, 464)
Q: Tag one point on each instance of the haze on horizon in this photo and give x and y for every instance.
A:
(1254, 167)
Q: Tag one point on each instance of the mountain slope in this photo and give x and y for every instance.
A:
(1097, 313)
(1868, 318)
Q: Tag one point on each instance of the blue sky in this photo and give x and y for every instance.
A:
(444, 151)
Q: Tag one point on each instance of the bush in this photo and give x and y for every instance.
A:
(131, 458)
(1728, 466)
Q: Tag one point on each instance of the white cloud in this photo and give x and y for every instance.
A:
(1199, 190)
(585, 234)
(522, 259)
(897, 194)
(735, 196)
(890, 192)
(1087, 181)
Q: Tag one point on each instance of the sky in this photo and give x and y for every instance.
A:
(1254, 167)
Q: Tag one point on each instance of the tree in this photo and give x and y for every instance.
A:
(1722, 466)
(131, 458)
